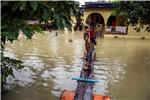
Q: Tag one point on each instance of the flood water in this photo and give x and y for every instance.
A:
(122, 67)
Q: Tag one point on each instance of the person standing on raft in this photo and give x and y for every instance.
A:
(93, 42)
(92, 35)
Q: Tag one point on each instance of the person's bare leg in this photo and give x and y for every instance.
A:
(95, 56)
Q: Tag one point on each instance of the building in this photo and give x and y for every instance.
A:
(99, 15)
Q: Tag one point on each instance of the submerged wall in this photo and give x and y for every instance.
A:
(133, 32)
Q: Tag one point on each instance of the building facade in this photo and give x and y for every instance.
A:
(99, 15)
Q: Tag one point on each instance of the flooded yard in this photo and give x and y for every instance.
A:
(122, 67)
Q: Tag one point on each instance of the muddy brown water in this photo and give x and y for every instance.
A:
(122, 67)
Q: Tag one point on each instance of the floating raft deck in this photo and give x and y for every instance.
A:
(84, 90)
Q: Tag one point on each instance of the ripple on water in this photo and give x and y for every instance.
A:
(62, 80)
(34, 62)
(23, 77)
(45, 74)
(9, 53)
(108, 71)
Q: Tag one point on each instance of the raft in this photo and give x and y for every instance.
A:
(69, 95)
(84, 90)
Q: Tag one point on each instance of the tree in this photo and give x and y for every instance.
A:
(137, 13)
(15, 16)
(79, 24)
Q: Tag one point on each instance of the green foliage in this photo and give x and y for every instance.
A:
(7, 66)
(137, 13)
(15, 16)
(79, 23)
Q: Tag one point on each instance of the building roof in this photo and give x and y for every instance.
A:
(98, 5)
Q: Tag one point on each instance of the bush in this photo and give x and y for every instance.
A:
(7, 66)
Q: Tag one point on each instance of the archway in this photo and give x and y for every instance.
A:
(116, 25)
(111, 22)
(97, 21)
(94, 19)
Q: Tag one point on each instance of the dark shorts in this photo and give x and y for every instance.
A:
(93, 41)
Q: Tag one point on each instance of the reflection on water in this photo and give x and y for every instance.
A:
(123, 67)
